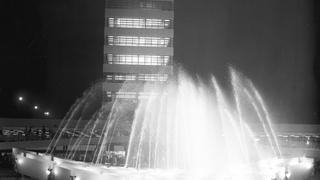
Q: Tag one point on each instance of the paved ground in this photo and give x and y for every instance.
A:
(317, 177)
(9, 174)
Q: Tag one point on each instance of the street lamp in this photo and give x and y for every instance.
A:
(47, 113)
(35, 107)
(20, 98)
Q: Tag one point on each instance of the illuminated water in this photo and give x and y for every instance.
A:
(186, 129)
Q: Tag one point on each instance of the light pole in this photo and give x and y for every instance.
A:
(36, 109)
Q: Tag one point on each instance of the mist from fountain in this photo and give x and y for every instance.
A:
(186, 125)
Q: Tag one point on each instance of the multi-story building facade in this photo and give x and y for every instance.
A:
(138, 45)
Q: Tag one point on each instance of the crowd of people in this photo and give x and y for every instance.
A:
(25, 134)
(114, 159)
(301, 142)
(296, 142)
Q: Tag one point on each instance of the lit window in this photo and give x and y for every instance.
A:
(145, 4)
(143, 95)
(107, 96)
(139, 41)
(129, 95)
(137, 59)
(124, 77)
(139, 23)
(121, 77)
(125, 95)
(152, 77)
(109, 77)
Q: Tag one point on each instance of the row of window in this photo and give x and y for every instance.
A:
(138, 41)
(120, 77)
(109, 96)
(139, 23)
(296, 141)
(144, 4)
(137, 59)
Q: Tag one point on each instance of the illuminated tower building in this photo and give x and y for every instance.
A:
(138, 45)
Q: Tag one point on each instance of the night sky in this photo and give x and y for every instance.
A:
(51, 51)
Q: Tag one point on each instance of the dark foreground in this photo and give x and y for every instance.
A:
(9, 174)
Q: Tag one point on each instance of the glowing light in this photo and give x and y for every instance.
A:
(302, 161)
(47, 113)
(282, 175)
(48, 171)
(273, 176)
(294, 162)
(20, 98)
(55, 171)
(288, 174)
(20, 161)
(35, 107)
(306, 163)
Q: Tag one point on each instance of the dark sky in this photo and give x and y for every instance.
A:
(52, 50)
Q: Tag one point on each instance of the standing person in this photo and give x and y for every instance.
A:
(43, 134)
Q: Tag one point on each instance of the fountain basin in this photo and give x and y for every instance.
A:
(41, 166)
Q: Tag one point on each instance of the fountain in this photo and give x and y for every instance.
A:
(186, 130)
